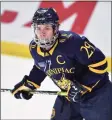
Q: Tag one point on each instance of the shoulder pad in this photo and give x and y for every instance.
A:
(32, 44)
(64, 35)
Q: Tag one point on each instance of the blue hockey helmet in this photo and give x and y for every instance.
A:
(46, 16)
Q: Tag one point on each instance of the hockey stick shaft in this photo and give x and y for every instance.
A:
(41, 92)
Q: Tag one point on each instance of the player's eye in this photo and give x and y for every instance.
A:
(47, 28)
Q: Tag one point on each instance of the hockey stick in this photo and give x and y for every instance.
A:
(41, 92)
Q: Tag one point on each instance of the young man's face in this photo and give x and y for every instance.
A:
(44, 32)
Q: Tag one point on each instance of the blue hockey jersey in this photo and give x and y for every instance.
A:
(71, 58)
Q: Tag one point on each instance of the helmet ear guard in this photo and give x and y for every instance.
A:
(46, 16)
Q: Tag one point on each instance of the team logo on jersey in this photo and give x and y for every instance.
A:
(60, 59)
(63, 83)
(54, 71)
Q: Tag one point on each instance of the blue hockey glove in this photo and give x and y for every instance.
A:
(21, 90)
(75, 91)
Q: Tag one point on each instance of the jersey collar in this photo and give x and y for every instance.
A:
(44, 54)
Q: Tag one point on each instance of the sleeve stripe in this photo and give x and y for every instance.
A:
(97, 71)
(88, 88)
(99, 63)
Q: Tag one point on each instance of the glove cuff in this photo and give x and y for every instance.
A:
(29, 83)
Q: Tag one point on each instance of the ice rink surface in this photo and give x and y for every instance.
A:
(39, 107)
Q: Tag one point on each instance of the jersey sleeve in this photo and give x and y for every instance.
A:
(91, 57)
(36, 76)
(88, 54)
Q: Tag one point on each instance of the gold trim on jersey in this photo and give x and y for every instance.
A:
(32, 45)
(41, 53)
(50, 51)
(89, 89)
(99, 63)
(93, 67)
(98, 71)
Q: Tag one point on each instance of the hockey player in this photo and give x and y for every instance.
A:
(74, 64)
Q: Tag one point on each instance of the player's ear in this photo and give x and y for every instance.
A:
(56, 29)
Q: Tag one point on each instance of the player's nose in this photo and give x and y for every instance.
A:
(42, 34)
